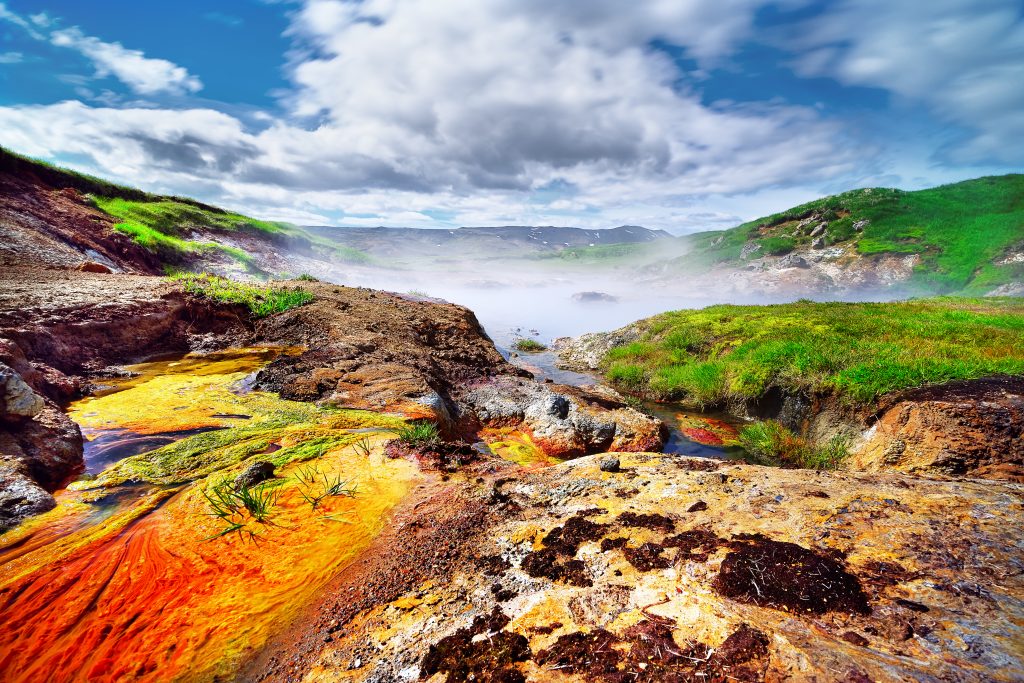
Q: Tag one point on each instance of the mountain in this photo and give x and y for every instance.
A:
(966, 237)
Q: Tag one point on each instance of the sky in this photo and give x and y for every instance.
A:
(683, 115)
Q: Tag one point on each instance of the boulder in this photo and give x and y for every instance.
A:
(18, 401)
(20, 497)
(255, 473)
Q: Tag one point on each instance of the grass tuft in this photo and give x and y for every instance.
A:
(769, 443)
(418, 434)
(260, 300)
(527, 345)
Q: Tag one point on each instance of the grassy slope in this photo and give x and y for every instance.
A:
(161, 224)
(959, 230)
(858, 350)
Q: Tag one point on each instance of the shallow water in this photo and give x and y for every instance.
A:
(133, 581)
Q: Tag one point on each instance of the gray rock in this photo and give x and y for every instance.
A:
(17, 399)
(819, 229)
(860, 225)
(609, 464)
(793, 261)
(594, 297)
(255, 473)
(20, 497)
(749, 249)
(818, 243)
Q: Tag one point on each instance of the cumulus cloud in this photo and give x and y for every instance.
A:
(144, 75)
(962, 58)
(398, 107)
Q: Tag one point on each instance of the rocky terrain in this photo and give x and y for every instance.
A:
(670, 569)
(359, 348)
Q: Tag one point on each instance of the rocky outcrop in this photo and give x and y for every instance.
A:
(385, 352)
(971, 428)
(564, 421)
(678, 569)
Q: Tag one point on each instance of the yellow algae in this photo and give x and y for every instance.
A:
(516, 446)
(137, 584)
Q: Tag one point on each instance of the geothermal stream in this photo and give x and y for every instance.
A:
(132, 576)
(135, 574)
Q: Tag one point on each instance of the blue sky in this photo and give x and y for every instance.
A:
(674, 114)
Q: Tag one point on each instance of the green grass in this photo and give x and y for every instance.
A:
(261, 300)
(958, 230)
(769, 443)
(418, 434)
(858, 351)
(177, 217)
(18, 164)
(528, 345)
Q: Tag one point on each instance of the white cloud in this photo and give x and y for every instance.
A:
(962, 58)
(144, 75)
(403, 106)
(11, 57)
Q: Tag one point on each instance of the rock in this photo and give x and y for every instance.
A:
(818, 243)
(972, 428)
(610, 464)
(594, 297)
(585, 352)
(819, 229)
(793, 261)
(20, 497)
(860, 225)
(17, 399)
(93, 267)
(749, 249)
(564, 421)
(821, 588)
(255, 473)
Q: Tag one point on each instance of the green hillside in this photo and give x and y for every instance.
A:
(961, 231)
(165, 225)
(860, 351)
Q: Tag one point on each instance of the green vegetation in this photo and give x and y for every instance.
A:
(603, 252)
(961, 231)
(236, 506)
(769, 443)
(259, 299)
(315, 486)
(18, 164)
(858, 351)
(418, 434)
(527, 345)
(306, 277)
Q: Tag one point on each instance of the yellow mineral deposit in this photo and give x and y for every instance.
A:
(134, 580)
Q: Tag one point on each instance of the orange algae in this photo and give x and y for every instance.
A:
(517, 446)
(707, 431)
(124, 582)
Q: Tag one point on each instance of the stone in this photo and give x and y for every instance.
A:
(860, 225)
(255, 473)
(93, 267)
(17, 399)
(610, 464)
(819, 229)
(819, 243)
(20, 497)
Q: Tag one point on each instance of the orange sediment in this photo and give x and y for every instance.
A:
(131, 582)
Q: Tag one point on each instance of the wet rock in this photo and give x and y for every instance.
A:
(17, 399)
(20, 496)
(254, 474)
(610, 464)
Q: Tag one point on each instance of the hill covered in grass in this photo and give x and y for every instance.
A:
(173, 231)
(858, 351)
(968, 236)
